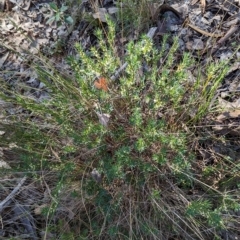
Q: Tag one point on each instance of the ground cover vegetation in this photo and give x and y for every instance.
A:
(118, 152)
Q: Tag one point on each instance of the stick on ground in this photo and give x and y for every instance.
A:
(5, 202)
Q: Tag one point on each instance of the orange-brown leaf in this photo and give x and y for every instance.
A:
(101, 83)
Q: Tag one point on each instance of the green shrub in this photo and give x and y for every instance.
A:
(131, 129)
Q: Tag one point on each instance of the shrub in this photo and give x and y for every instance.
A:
(129, 130)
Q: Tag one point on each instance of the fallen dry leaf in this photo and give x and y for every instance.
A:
(2, 133)
(229, 129)
(100, 15)
(228, 105)
(101, 83)
(227, 115)
(4, 165)
(197, 44)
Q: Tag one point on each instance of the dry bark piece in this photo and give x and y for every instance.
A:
(203, 5)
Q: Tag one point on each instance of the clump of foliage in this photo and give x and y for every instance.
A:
(130, 131)
(59, 14)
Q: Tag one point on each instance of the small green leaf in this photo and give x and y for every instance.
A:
(68, 20)
(50, 20)
(57, 16)
(53, 6)
(63, 8)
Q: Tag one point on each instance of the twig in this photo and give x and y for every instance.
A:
(12, 194)
(150, 34)
(117, 73)
(228, 34)
(204, 32)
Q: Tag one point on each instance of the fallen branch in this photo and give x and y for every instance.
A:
(12, 194)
